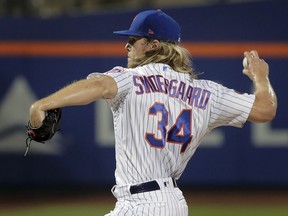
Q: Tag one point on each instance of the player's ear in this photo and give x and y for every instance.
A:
(155, 44)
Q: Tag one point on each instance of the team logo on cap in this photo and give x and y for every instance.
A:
(150, 32)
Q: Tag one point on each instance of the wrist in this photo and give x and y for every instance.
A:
(259, 80)
(36, 107)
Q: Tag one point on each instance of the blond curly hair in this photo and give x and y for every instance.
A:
(177, 57)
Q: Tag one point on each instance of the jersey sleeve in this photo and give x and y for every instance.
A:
(229, 108)
(123, 79)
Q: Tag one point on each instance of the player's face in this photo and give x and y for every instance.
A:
(136, 47)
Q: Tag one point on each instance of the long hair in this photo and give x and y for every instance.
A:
(177, 57)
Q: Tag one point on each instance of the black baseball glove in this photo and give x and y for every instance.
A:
(50, 125)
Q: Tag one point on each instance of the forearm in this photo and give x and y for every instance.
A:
(79, 93)
(265, 105)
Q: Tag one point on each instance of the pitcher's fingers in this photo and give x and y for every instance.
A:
(254, 54)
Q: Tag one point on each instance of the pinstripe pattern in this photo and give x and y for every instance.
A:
(168, 201)
(138, 159)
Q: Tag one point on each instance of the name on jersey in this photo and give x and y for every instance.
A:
(194, 96)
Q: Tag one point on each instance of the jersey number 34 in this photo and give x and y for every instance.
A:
(180, 133)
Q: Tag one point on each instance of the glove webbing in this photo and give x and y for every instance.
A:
(29, 139)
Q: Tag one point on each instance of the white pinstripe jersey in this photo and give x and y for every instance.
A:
(161, 117)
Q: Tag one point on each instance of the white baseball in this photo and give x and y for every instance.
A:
(245, 62)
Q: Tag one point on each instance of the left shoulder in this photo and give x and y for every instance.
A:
(117, 69)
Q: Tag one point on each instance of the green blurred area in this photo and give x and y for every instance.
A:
(92, 209)
(98, 203)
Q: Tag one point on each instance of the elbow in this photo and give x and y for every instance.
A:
(263, 114)
(263, 110)
(269, 115)
(271, 110)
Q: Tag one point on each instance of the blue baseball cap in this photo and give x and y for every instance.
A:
(154, 24)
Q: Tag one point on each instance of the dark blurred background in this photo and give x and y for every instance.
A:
(52, 8)
(46, 44)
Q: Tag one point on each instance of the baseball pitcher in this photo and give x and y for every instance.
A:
(161, 112)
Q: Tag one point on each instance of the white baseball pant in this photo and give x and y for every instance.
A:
(166, 201)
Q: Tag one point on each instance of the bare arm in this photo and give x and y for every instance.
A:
(81, 92)
(265, 105)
